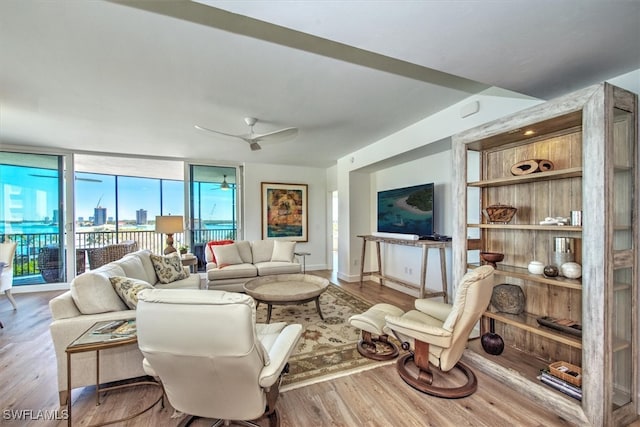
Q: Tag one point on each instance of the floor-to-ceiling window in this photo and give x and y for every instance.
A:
(31, 214)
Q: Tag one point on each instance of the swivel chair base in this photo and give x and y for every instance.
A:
(377, 348)
(424, 381)
(274, 421)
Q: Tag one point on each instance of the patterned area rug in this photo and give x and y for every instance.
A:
(326, 349)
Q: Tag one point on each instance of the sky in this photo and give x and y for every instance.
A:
(38, 188)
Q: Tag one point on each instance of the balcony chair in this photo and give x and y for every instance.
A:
(437, 333)
(212, 358)
(7, 253)
(49, 263)
(101, 256)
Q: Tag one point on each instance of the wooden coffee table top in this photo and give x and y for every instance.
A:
(281, 288)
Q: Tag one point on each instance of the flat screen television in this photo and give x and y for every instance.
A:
(407, 210)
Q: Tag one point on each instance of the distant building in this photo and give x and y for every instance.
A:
(99, 216)
(141, 217)
(80, 219)
(55, 216)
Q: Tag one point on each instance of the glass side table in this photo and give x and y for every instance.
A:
(102, 336)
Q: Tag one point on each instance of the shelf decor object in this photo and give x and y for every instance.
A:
(499, 214)
(526, 167)
(590, 139)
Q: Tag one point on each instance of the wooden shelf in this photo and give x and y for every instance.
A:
(523, 273)
(528, 322)
(535, 227)
(534, 177)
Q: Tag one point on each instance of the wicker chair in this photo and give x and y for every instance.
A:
(49, 263)
(101, 256)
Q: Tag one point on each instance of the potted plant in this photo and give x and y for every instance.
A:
(183, 249)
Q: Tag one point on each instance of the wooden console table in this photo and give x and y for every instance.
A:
(425, 245)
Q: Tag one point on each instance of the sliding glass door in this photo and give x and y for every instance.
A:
(214, 211)
(31, 214)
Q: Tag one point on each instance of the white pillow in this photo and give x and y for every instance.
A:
(283, 251)
(227, 255)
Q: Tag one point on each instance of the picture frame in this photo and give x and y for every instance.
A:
(284, 211)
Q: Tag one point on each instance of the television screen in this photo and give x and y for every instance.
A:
(407, 210)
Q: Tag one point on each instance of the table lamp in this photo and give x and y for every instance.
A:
(169, 225)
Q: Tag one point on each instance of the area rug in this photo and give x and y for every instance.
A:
(327, 349)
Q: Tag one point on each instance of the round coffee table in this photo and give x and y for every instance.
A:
(287, 289)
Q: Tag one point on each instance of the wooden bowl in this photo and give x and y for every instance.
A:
(499, 214)
(491, 257)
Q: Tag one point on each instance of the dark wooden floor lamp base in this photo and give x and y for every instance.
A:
(424, 381)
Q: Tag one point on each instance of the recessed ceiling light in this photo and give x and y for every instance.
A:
(529, 132)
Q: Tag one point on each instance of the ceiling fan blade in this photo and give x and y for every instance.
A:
(277, 134)
(216, 131)
(255, 146)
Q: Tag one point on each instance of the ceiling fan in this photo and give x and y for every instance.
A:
(253, 138)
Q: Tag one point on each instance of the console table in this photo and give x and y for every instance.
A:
(425, 245)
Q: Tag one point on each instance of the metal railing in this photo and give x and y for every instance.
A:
(29, 246)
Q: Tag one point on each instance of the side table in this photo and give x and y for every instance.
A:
(191, 261)
(304, 260)
(102, 336)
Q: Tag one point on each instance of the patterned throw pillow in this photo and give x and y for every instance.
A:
(168, 268)
(128, 288)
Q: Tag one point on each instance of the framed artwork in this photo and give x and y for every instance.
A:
(284, 211)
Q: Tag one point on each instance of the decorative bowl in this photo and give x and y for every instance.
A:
(499, 214)
(492, 257)
(535, 267)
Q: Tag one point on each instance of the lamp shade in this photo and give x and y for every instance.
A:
(169, 224)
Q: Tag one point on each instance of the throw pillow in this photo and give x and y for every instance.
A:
(168, 268)
(128, 288)
(213, 243)
(283, 251)
(227, 255)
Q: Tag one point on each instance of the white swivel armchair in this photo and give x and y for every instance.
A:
(437, 334)
(212, 358)
(7, 253)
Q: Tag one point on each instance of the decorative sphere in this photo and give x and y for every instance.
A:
(492, 343)
(536, 267)
(571, 270)
(551, 271)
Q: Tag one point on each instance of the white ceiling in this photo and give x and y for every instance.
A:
(134, 77)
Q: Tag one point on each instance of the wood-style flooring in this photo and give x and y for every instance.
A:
(377, 397)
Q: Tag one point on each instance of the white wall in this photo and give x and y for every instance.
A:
(316, 180)
(405, 262)
(434, 131)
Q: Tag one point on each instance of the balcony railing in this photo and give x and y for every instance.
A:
(29, 246)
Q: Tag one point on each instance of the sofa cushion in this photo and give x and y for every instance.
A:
(127, 288)
(233, 272)
(93, 293)
(262, 250)
(214, 243)
(278, 267)
(227, 255)
(244, 249)
(133, 268)
(283, 251)
(168, 268)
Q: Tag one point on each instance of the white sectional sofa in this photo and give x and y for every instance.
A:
(231, 265)
(92, 298)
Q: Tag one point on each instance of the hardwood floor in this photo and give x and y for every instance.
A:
(377, 397)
